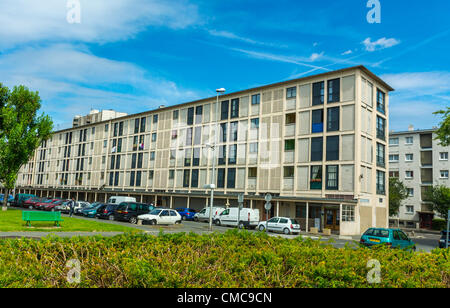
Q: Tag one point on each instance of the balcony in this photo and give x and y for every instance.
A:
(426, 141)
(426, 176)
(426, 159)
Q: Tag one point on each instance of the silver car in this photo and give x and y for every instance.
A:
(280, 224)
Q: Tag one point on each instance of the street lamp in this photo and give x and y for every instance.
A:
(213, 147)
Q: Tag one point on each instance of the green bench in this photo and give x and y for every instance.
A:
(41, 216)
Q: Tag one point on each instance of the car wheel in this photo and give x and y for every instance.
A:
(261, 228)
(30, 207)
(178, 222)
(133, 220)
(217, 222)
(286, 231)
(111, 217)
(53, 210)
(183, 217)
(153, 222)
(196, 219)
(241, 225)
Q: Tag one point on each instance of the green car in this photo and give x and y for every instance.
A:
(394, 238)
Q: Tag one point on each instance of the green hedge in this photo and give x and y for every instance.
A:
(439, 224)
(234, 259)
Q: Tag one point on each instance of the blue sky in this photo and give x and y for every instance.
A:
(133, 55)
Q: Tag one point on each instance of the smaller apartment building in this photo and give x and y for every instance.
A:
(317, 144)
(420, 162)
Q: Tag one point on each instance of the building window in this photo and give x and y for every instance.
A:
(334, 90)
(332, 148)
(150, 174)
(393, 141)
(224, 110)
(291, 92)
(290, 118)
(381, 155)
(132, 177)
(189, 136)
(190, 116)
(443, 156)
(381, 190)
(332, 178)
(152, 155)
(393, 158)
(222, 155)
(381, 101)
(155, 119)
(198, 135)
(318, 93)
(223, 132)
(154, 137)
(410, 192)
(233, 154)
(409, 174)
(256, 99)
(253, 148)
(187, 157)
(252, 172)
(409, 140)
(317, 121)
(198, 114)
(348, 213)
(231, 178)
(196, 158)
(194, 179)
(409, 209)
(221, 178)
(289, 172)
(186, 178)
(409, 157)
(254, 123)
(289, 145)
(235, 108)
(394, 174)
(316, 149)
(175, 114)
(381, 128)
(233, 131)
(171, 174)
(106, 127)
(332, 119)
(316, 177)
(444, 174)
(136, 125)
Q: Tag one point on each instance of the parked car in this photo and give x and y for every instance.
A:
(120, 199)
(19, 199)
(50, 207)
(129, 211)
(186, 213)
(203, 215)
(161, 217)
(81, 205)
(31, 203)
(63, 207)
(246, 218)
(41, 205)
(280, 224)
(10, 198)
(443, 239)
(93, 210)
(394, 238)
(108, 212)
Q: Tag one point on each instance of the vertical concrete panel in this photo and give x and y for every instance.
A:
(305, 95)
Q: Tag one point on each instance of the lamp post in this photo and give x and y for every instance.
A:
(213, 147)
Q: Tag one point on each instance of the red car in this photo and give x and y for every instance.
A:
(31, 203)
(51, 206)
(41, 205)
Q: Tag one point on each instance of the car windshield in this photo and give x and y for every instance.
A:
(155, 212)
(377, 232)
(294, 222)
(47, 201)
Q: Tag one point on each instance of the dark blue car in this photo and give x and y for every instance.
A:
(186, 214)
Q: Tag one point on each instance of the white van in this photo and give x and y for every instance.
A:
(247, 218)
(203, 215)
(120, 199)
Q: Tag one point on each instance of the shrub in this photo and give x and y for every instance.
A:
(234, 259)
(439, 224)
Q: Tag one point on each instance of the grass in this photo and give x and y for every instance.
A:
(11, 221)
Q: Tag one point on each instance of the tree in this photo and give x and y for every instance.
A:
(22, 130)
(439, 196)
(397, 193)
(443, 132)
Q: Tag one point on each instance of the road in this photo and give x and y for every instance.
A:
(424, 242)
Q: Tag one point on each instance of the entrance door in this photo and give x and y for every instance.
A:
(332, 219)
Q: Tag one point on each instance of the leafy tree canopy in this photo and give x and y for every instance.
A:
(397, 193)
(443, 132)
(440, 197)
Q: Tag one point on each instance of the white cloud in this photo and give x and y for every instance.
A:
(316, 56)
(71, 80)
(23, 21)
(348, 52)
(427, 83)
(381, 43)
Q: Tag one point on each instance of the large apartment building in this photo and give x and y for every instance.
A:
(317, 144)
(419, 161)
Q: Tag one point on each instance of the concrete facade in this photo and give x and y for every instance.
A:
(311, 142)
(417, 159)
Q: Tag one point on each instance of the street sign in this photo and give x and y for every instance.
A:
(268, 206)
(268, 197)
(240, 198)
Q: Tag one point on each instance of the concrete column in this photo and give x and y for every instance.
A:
(171, 202)
(142, 198)
(307, 217)
(156, 200)
(251, 203)
(189, 202)
(278, 209)
(340, 217)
